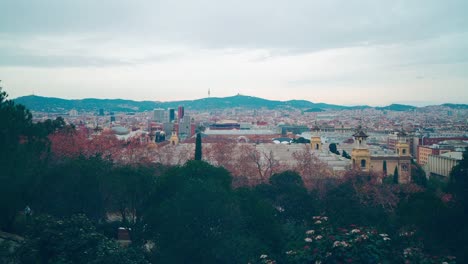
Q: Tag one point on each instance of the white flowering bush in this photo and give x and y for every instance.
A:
(326, 244)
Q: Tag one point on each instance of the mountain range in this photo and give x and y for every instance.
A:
(58, 105)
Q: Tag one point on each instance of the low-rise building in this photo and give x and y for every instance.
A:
(442, 165)
(425, 151)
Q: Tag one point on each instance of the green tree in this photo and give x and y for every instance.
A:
(458, 187)
(23, 158)
(384, 167)
(288, 195)
(432, 220)
(198, 147)
(263, 233)
(360, 199)
(196, 217)
(301, 140)
(192, 214)
(73, 187)
(72, 240)
(345, 154)
(395, 175)
(418, 176)
(128, 189)
(333, 148)
(458, 183)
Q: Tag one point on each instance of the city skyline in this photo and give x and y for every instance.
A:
(339, 52)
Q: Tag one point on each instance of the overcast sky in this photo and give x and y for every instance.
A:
(342, 52)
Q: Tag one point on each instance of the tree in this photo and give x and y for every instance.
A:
(395, 175)
(360, 198)
(458, 184)
(301, 140)
(289, 196)
(198, 147)
(418, 176)
(324, 243)
(196, 216)
(24, 151)
(458, 187)
(312, 170)
(384, 169)
(345, 154)
(222, 154)
(244, 165)
(333, 148)
(192, 214)
(72, 240)
(266, 164)
(74, 187)
(127, 190)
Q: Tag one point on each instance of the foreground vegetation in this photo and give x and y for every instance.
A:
(68, 210)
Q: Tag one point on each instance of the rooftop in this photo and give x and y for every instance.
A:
(453, 155)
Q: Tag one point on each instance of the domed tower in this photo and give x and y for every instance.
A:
(402, 146)
(404, 157)
(316, 140)
(360, 154)
(174, 140)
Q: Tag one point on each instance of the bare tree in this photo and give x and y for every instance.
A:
(312, 170)
(221, 154)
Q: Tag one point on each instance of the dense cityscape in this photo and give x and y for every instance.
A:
(436, 135)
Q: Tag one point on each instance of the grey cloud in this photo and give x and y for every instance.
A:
(283, 27)
(33, 60)
(303, 25)
(55, 61)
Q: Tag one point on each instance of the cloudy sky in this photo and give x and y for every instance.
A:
(344, 52)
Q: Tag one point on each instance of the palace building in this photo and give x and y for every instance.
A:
(383, 164)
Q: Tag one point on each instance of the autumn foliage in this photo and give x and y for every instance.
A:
(70, 143)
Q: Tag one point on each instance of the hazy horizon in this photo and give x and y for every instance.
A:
(337, 52)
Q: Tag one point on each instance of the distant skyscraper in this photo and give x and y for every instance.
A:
(168, 127)
(158, 115)
(180, 113)
(171, 114)
(185, 128)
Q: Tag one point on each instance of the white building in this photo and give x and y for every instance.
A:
(442, 165)
(158, 115)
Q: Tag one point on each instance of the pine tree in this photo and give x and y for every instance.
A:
(198, 147)
(385, 167)
(395, 175)
(333, 148)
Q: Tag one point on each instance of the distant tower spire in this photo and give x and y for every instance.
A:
(209, 92)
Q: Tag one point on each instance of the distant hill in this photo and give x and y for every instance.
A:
(50, 104)
(58, 105)
(397, 107)
(456, 106)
